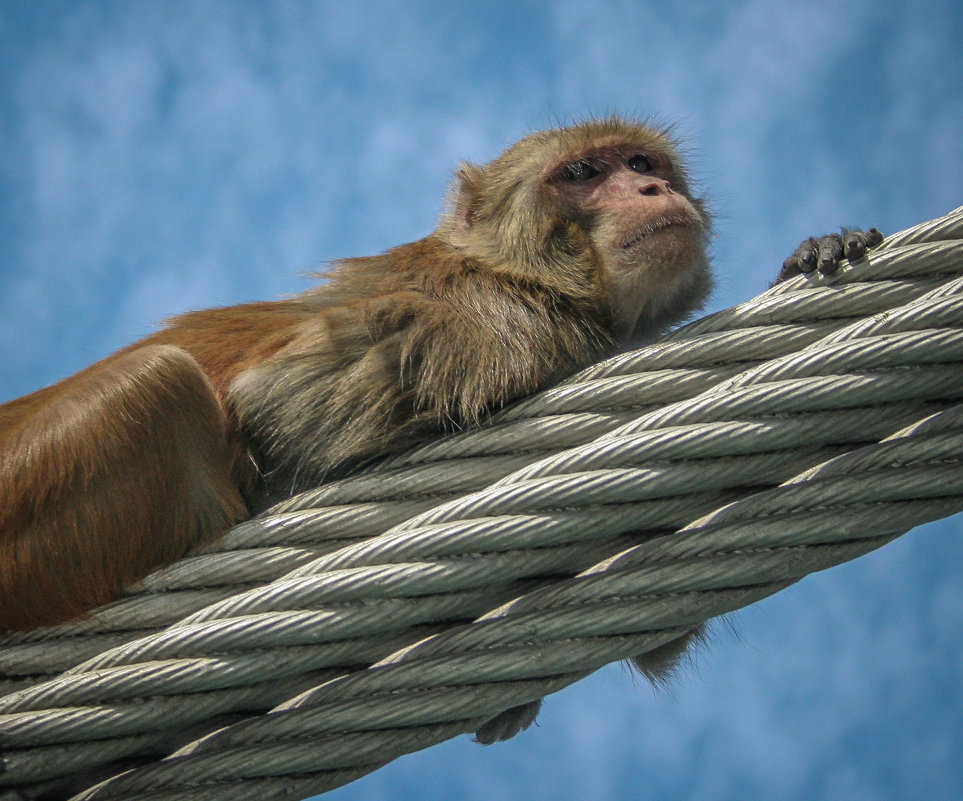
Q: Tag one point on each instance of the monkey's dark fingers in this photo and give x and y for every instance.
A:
(857, 242)
(830, 253)
(803, 260)
(825, 253)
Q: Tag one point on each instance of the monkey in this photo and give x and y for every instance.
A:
(574, 244)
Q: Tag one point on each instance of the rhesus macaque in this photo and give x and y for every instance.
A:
(573, 244)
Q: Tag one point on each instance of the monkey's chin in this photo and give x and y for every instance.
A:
(673, 225)
(661, 254)
(656, 281)
(647, 302)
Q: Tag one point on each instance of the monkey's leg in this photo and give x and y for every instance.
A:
(118, 470)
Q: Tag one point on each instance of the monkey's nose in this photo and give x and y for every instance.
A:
(654, 187)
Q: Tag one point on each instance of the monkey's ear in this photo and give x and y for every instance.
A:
(465, 203)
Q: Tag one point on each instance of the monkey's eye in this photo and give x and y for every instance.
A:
(581, 170)
(641, 163)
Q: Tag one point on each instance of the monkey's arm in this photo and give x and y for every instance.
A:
(122, 468)
(373, 378)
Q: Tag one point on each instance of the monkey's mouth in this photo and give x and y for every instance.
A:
(655, 226)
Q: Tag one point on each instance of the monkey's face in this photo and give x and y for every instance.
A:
(648, 233)
(621, 186)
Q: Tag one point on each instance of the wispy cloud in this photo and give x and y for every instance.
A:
(157, 157)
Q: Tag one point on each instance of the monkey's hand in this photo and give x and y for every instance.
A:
(826, 252)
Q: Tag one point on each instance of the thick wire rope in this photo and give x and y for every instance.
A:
(411, 603)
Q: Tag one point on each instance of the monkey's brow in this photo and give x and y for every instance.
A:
(593, 160)
(601, 156)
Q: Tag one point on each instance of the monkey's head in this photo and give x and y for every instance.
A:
(605, 197)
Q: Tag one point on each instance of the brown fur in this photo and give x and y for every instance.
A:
(104, 477)
(161, 447)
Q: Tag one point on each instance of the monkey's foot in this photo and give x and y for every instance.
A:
(507, 724)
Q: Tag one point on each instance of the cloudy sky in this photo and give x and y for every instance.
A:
(161, 156)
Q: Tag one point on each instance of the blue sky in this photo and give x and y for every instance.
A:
(161, 156)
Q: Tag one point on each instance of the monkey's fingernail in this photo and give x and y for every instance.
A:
(807, 262)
